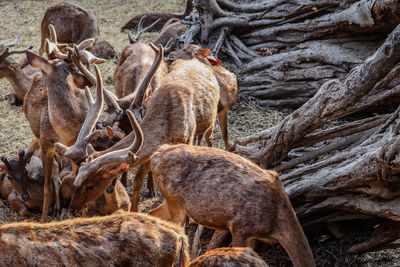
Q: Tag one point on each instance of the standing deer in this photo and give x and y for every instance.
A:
(62, 115)
(224, 191)
(183, 107)
(19, 75)
(227, 257)
(130, 239)
(227, 83)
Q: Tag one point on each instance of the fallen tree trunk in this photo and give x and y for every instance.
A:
(345, 172)
(285, 50)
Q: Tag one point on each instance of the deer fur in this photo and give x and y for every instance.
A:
(173, 28)
(183, 107)
(72, 23)
(223, 191)
(129, 239)
(103, 49)
(227, 83)
(106, 204)
(227, 257)
(152, 17)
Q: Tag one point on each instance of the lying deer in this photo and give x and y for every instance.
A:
(58, 112)
(106, 204)
(227, 83)
(183, 107)
(19, 75)
(226, 257)
(223, 191)
(152, 17)
(129, 239)
(172, 28)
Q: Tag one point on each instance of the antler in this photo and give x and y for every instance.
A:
(142, 30)
(137, 103)
(113, 110)
(5, 49)
(52, 47)
(126, 155)
(78, 152)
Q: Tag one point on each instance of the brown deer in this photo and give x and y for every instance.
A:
(173, 28)
(227, 257)
(223, 191)
(106, 204)
(72, 23)
(19, 74)
(227, 83)
(58, 112)
(130, 239)
(152, 17)
(183, 107)
(103, 49)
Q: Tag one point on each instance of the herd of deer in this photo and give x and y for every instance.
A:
(160, 109)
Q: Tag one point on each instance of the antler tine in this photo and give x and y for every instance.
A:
(85, 44)
(92, 59)
(168, 46)
(51, 45)
(141, 91)
(53, 34)
(78, 152)
(126, 155)
(142, 30)
(13, 43)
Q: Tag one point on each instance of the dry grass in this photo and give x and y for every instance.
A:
(23, 18)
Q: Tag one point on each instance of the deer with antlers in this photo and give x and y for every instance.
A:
(183, 107)
(61, 107)
(19, 74)
(224, 191)
(129, 239)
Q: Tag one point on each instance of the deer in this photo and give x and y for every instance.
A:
(72, 23)
(19, 74)
(223, 191)
(152, 17)
(169, 32)
(60, 107)
(129, 239)
(183, 107)
(226, 257)
(103, 49)
(227, 83)
(107, 204)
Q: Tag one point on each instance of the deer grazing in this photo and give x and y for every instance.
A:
(60, 117)
(152, 17)
(227, 257)
(223, 191)
(129, 239)
(19, 74)
(183, 107)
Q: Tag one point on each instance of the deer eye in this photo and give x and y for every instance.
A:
(90, 187)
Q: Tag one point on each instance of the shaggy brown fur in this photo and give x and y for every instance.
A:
(129, 239)
(103, 49)
(229, 257)
(72, 23)
(224, 191)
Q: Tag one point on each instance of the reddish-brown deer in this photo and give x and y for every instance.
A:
(227, 257)
(19, 74)
(130, 239)
(183, 107)
(224, 191)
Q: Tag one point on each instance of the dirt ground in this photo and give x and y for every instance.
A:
(23, 18)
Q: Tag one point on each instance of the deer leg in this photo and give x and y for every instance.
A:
(223, 124)
(217, 239)
(199, 139)
(33, 145)
(196, 242)
(57, 202)
(150, 185)
(208, 136)
(138, 181)
(178, 214)
(124, 179)
(161, 212)
(47, 161)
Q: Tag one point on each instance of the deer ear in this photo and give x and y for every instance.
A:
(124, 167)
(28, 155)
(80, 81)
(214, 61)
(37, 61)
(203, 52)
(110, 132)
